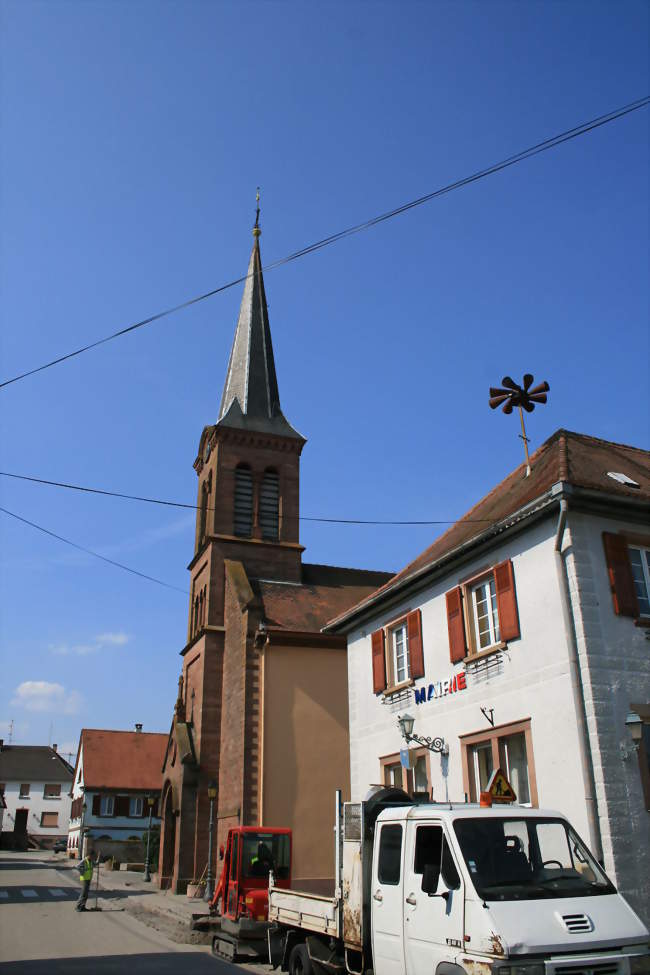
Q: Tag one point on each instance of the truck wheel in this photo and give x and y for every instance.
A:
(299, 963)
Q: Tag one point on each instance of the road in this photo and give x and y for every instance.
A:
(40, 932)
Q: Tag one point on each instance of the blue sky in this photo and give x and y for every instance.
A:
(133, 137)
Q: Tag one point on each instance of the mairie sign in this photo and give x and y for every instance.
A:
(441, 688)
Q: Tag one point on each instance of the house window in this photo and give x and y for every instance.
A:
(270, 506)
(393, 775)
(243, 512)
(482, 612)
(24, 791)
(640, 563)
(397, 653)
(135, 806)
(52, 791)
(628, 567)
(106, 806)
(411, 780)
(509, 748)
(400, 653)
(49, 820)
(485, 613)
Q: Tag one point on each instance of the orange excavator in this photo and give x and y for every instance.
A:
(239, 909)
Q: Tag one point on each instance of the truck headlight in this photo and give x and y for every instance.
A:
(640, 964)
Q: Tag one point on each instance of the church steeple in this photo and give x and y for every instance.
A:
(250, 397)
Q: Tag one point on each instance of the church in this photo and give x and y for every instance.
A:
(262, 707)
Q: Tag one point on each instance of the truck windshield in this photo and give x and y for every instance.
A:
(262, 852)
(528, 859)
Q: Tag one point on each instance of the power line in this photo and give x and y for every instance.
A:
(534, 150)
(89, 551)
(195, 507)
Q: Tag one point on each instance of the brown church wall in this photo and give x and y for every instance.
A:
(305, 750)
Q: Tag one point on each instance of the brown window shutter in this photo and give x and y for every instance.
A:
(504, 583)
(378, 662)
(416, 652)
(456, 625)
(620, 575)
(96, 805)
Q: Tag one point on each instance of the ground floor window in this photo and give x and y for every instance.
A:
(509, 747)
(49, 819)
(417, 778)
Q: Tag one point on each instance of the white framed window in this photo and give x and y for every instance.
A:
(640, 562)
(24, 791)
(52, 791)
(509, 748)
(400, 653)
(485, 613)
(106, 806)
(516, 761)
(136, 804)
(421, 775)
(393, 775)
(482, 766)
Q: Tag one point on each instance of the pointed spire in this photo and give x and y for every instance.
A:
(250, 397)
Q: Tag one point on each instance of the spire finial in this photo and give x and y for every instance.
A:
(256, 228)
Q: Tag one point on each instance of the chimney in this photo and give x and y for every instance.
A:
(54, 747)
(138, 728)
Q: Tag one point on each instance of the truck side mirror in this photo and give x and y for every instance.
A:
(221, 852)
(430, 878)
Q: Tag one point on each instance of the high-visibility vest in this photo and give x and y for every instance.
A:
(87, 872)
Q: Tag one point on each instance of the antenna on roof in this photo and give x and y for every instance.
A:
(522, 397)
(11, 731)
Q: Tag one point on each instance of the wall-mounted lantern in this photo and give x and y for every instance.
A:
(406, 722)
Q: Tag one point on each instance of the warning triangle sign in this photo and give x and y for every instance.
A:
(499, 788)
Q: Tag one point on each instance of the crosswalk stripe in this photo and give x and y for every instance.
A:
(28, 893)
(55, 892)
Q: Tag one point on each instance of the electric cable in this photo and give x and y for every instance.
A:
(89, 551)
(550, 143)
(196, 507)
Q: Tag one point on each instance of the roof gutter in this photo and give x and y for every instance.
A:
(577, 686)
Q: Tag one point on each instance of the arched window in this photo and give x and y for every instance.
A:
(270, 505)
(204, 512)
(196, 615)
(243, 501)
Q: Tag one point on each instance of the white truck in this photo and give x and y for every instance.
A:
(457, 889)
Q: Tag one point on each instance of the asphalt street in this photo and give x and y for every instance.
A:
(40, 931)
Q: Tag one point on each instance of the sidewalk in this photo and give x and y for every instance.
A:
(140, 898)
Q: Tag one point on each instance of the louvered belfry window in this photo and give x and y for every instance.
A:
(270, 505)
(243, 502)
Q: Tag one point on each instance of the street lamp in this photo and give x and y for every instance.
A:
(150, 802)
(209, 885)
(634, 724)
(406, 722)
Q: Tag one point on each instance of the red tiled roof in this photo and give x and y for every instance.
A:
(574, 458)
(122, 759)
(326, 591)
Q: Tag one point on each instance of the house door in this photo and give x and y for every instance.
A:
(20, 824)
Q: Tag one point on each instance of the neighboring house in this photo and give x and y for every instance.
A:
(36, 782)
(115, 774)
(3, 806)
(262, 703)
(521, 638)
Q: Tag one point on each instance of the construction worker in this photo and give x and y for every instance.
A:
(85, 876)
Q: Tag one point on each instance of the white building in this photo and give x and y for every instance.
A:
(116, 774)
(521, 638)
(36, 783)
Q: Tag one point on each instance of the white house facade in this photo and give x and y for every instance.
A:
(116, 792)
(35, 781)
(522, 641)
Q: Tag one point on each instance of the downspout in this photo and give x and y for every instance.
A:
(577, 688)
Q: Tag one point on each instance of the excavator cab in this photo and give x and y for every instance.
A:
(250, 855)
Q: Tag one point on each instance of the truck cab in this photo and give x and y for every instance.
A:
(457, 889)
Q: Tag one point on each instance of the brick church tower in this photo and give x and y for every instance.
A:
(247, 538)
